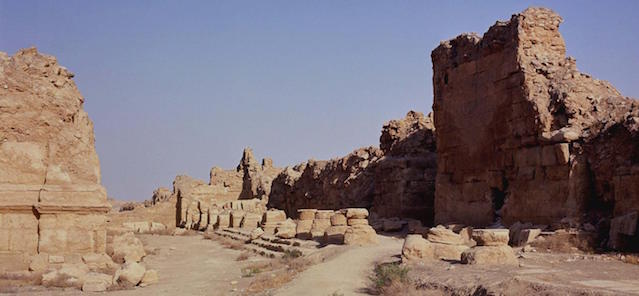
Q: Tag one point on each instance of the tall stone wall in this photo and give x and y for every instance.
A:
(51, 200)
(514, 120)
(395, 180)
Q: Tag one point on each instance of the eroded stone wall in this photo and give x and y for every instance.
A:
(514, 122)
(395, 180)
(51, 200)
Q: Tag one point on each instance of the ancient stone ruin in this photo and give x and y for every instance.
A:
(51, 199)
(523, 136)
(394, 181)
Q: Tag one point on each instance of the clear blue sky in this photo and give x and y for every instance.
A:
(177, 87)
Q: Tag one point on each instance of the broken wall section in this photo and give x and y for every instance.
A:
(51, 199)
(516, 127)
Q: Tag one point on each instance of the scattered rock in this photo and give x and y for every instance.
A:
(490, 255)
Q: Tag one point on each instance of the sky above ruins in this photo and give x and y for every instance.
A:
(176, 89)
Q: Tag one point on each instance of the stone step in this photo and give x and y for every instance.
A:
(262, 251)
(276, 247)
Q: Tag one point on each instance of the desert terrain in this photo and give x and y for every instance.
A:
(524, 180)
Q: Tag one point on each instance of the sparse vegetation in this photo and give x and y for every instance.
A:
(294, 253)
(250, 271)
(389, 275)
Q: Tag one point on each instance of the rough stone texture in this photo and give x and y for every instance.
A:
(246, 188)
(97, 282)
(150, 277)
(161, 194)
(491, 237)
(523, 136)
(332, 184)
(416, 248)
(130, 274)
(126, 248)
(490, 255)
(51, 199)
(442, 235)
(335, 234)
(360, 235)
(394, 181)
(68, 275)
(404, 184)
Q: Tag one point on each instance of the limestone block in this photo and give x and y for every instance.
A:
(338, 219)
(39, 262)
(324, 214)
(442, 235)
(356, 221)
(490, 255)
(335, 234)
(251, 221)
(360, 235)
(68, 275)
(130, 274)
(417, 248)
(256, 233)
(127, 248)
(150, 277)
(491, 237)
(303, 229)
(526, 236)
(236, 218)
(319, 227)
(448, 252)
(97, 282)
(356, 213)
(286, 229)
(274, 216)
(99, 262)
(224, 220)
(306, 214)
(139, 227)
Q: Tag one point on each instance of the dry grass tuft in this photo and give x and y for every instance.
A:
(276, 273)
(631, 259)
(390, 279)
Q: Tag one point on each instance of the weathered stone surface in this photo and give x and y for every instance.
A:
(490, 255)
(130, 274)
(356, 213)
(99, 262)
(491, 237)
(251, 221)
(448, 251)
(324, 214)
(622, 229)
(522, 135)
(126, 248)
(319, 227)
(416, 248)
(161, 194)
(39, 262)
(360, 235)
(526, 236)
(286, 229)
(49, 169)
(335, 234)
(442, 235)
(150, 277)
(68, 275)
(97, 282)
(352, 222)
(303, 229)
(338, 219)
(306, 214)
(256, 233)
(274, 216)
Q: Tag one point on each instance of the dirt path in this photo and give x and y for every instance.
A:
(344, 274)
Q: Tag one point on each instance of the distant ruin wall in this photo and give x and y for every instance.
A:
(514, 122)
(51, 199)
(395, 180)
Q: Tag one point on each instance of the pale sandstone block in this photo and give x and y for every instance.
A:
(306, 214)
(417, 248)
(338, 219)
(356, 213)
(357, 221)
(491, 237)
(324, 214)
(490, 255)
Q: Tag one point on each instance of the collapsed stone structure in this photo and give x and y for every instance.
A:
(394, 181)
(247, 187)
(523, 136)
(51, 199)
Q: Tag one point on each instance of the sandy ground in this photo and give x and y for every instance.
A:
(344, 274)
(192, 265)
